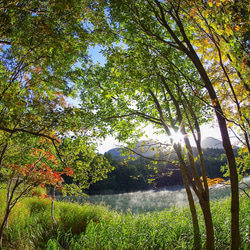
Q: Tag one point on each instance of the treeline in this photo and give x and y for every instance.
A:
(143, 174)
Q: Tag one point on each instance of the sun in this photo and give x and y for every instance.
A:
(177, 137)
(164, 138)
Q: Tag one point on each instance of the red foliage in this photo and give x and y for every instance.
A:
(69, 171)
(40, 174)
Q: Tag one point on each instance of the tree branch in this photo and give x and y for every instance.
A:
(151, 159)
(20, 130)
(5, 42)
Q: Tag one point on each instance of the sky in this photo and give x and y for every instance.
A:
(208, 130)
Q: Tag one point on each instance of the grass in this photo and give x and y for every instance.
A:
(97, 227)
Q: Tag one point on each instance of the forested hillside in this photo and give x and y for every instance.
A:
(143, 174)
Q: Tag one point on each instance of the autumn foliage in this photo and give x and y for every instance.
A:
(39, 173)
(212, 182)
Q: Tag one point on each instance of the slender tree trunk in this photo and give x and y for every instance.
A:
(205, 206)
(206, 200)
(196, 228)
(203, 196)
(52, 206)
(9, 197)
(201, 192)
(4, 224)
(185, 176)
(2, 154)
(235, 235)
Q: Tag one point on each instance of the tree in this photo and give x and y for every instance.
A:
(26, 171)
(36, 163)
(224, 30)
(226, 33)
(154, 98)
(167, 30)
(42, 45)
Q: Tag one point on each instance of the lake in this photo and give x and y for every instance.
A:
(152, 200)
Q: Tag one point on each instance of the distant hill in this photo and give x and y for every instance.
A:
(211, 142)
(146, 148)
(149, 148)
(115, 151)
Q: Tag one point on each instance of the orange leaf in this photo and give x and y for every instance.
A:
(214, 102)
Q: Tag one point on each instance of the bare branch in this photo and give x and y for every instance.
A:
(152, 159)
(5, 42)
(20, 130)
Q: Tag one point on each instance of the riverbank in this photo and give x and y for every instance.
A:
(151, 200)
(97, 227)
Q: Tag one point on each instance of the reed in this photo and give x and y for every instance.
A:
(90, 226)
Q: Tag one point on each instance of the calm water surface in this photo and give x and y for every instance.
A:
(153, 200)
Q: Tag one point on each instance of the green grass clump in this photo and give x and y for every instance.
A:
(146, 231)
(76, 217)
(96, 227)
(30, 225)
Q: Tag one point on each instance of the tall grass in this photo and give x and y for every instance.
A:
(97, 227)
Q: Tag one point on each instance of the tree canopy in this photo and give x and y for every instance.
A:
(172, 63)
(42, 47)
(176, 64)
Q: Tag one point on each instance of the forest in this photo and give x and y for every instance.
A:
(175, 65)
(141, 174)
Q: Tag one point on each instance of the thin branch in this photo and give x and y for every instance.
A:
(151, 159)
(245, 192)
(58, 153)
(5, 42)
(119, 116)
(20, 130)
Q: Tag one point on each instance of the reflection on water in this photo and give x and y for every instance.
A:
(148, 201)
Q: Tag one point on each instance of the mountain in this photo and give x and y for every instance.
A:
(115, 152)
(148, 148)
(211, 142)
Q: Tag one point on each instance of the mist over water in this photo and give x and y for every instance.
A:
(153, 200)
(143, 201)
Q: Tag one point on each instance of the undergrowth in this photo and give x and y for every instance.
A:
(97, 227)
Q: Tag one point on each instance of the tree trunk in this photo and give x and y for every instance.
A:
(197, 239)
(235, 235)
(52, 206)
(205, 201)
(201, 192)
(205, 206)
(4, 225)
(196, 228)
